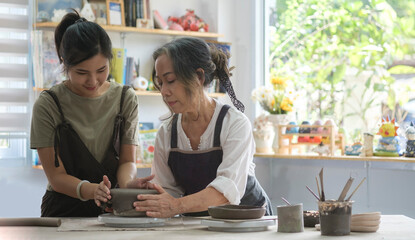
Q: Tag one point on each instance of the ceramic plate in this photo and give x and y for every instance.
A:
(363, 228)
(366, 223)
(111, 220)
(236, 212)
(246, 226)
(366, 217)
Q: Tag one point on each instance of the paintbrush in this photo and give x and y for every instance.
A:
(286, 201)
(315, 195)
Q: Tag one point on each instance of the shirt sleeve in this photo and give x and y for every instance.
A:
(163, 174)
(43, 123)
(130, 113)
(238, 149)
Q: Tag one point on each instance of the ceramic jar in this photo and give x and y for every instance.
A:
(276, 120)
(264, 139)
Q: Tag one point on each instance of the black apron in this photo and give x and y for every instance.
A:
(80, 163)
(194, 170)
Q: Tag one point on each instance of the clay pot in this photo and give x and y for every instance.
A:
(122, 200)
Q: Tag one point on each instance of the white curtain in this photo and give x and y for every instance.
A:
(15, 82)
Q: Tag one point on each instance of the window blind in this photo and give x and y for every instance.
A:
(15, 87)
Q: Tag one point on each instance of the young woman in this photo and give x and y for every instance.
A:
(84, 129)
(203, 155)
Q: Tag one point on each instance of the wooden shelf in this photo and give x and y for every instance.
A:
(142, 30)
(343, 157)
(156, 93)
(330, 135)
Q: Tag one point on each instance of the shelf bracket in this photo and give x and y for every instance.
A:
(122, 37)
(368, 166)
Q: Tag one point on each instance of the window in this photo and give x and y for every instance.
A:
(14, 82)
(339, 54)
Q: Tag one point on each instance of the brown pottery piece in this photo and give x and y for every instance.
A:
(236, 212)
(122, 200)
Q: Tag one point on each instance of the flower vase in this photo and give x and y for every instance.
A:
(263, 140)
(276, 120)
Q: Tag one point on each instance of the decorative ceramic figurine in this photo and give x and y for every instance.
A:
(304, 130)
(410, 144)
(58, 15)
(354, 150)
(293, 129)
(87, 12)
(321, 149)
(189, 22)
(326, 130)
(316, 130)
(388, 143)
(367, 150)
(263, 134)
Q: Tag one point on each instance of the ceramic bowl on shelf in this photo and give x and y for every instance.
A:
(122, 200)
(236, 212)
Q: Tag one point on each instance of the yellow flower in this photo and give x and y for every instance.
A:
(279, 82)
(272, 103)
(276, 99)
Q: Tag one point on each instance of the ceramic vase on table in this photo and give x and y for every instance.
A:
(264, 139)
(276, 120)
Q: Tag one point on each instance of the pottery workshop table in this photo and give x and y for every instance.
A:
(391, 227)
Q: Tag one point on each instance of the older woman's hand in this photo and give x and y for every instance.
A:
(161, 205)
(102, 192)
(141, 182)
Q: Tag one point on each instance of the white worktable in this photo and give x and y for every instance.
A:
(391, 227)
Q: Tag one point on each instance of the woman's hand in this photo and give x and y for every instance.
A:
(161, 205)
(102, 193)
(141, 182)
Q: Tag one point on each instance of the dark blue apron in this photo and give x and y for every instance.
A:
(194, 170)
(80, 163)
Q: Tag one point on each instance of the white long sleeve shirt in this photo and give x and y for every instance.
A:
(238, 149)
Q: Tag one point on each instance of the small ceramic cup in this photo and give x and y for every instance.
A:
(335, 217)
(290, 218)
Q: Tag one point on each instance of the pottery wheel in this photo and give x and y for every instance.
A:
(242, 226)
(111, 220)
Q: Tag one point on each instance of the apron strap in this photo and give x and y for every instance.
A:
(124, 90)
(173, 139)
(218, 126)
(119, 125)
(57, 130)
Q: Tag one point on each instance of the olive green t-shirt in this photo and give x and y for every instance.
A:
(92, 118)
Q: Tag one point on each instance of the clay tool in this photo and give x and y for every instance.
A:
(323, 198)
(315, 195)
(345, 189)
(348, 199)
(285, 200)
(318, 189)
